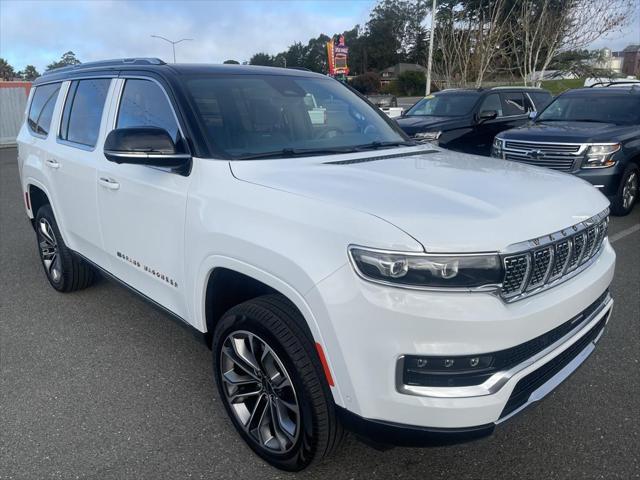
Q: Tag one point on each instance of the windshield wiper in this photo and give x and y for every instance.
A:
(294, 152)
(377, 145)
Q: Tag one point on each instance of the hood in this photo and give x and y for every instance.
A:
(570, 132)
(449, 202)
(423, 123)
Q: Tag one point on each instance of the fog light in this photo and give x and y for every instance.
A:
(421, 362)
(448, 363)
(474, 362)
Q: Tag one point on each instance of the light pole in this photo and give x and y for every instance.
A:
(430, 60)
(173, 43)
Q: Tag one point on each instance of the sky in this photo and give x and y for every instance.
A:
(39, 32)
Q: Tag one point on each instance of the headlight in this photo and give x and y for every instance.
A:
(427, 136)
(599, 156)
(423, 270)
(496, 147)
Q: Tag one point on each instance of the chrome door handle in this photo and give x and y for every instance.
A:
(109, 183)
(52, 163)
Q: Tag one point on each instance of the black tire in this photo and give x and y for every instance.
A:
(618, 206)
(275, 321)
(65, 271)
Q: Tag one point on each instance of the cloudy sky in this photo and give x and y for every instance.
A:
(38, 32)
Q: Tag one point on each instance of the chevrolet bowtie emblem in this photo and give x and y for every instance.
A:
(535, 154)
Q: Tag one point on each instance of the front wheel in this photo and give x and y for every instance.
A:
(628, 191)
(65, 271)
(272, 385)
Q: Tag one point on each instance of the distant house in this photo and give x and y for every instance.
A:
(390, 74)
(631, 60)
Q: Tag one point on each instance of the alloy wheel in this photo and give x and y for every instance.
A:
(629, 190)
(260, 392)
(49, 250)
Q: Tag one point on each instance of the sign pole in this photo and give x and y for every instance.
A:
(430, 60)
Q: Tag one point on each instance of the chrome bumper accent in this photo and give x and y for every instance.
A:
(499, 379)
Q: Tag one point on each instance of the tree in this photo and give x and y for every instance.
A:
(366, 83)
(261, 59)
(544, 28)
(6, 71)
(231, 62)
(30, 73)
(68, 58)
(411, 83)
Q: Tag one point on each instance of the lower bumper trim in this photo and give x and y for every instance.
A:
(388, 433)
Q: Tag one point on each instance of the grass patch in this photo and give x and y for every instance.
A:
(558, 86)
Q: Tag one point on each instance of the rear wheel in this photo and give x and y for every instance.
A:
(65, 271)
(272, 384)
(628, 191)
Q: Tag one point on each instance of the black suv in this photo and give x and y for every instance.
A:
(467, 120)
(593, 133)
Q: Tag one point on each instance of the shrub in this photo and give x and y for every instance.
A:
(411, 83)
(366, 83)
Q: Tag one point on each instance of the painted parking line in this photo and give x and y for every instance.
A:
(624, 233)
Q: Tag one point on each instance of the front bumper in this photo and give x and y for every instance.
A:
(366, 328)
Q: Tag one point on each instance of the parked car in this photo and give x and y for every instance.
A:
(467, 120)
(388, 104)
(343, 275)
(593, 133)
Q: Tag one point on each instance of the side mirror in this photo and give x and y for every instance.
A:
(533, 115)
(144, 146)
(487, 115)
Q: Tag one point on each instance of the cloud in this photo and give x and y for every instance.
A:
(38, 32)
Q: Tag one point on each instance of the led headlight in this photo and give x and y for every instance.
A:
(423, 270)
(496, 147)
(599, 156)
(427, 136)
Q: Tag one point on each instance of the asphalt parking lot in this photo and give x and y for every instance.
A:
(98, 384)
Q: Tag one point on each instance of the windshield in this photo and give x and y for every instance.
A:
(451, 104)
(254, 116)
(619, 109)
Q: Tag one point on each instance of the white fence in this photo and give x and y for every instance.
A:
(13, 100)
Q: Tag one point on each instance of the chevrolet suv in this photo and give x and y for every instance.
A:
(593, 133)
(467, 120)
(343, 276)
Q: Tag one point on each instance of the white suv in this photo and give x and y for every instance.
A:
(342, 275)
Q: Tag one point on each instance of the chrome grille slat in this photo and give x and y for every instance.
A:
(548, 260)
(545, 147)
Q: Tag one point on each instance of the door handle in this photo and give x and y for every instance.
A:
(109, 183)
(52, 163)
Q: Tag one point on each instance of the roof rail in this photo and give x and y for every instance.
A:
(514, 86)
(107, 63)
(628, 82)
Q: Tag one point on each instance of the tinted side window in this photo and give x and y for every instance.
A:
(83, 111)
(540, 100)
(492, 102)
(513, 104)
(144, 104)
(41, 109)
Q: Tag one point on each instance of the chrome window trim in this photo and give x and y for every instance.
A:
(499, 379)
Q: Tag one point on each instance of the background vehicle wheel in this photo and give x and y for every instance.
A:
(64, 270)
(272, 384)
(628, 192)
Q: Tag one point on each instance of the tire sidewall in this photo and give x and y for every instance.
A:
(303, 451)
(47, 213)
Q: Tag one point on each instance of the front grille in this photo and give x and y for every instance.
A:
(544, 147)
(556, 156)
(551, 258)
(529, 384)
(561, 164)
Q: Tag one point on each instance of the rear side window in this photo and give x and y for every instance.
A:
(492, 102)
(144, 104)
(83, 111)
(513, 104)
(41, 109)
(540, 100)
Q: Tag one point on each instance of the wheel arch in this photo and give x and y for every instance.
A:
(233, 281)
